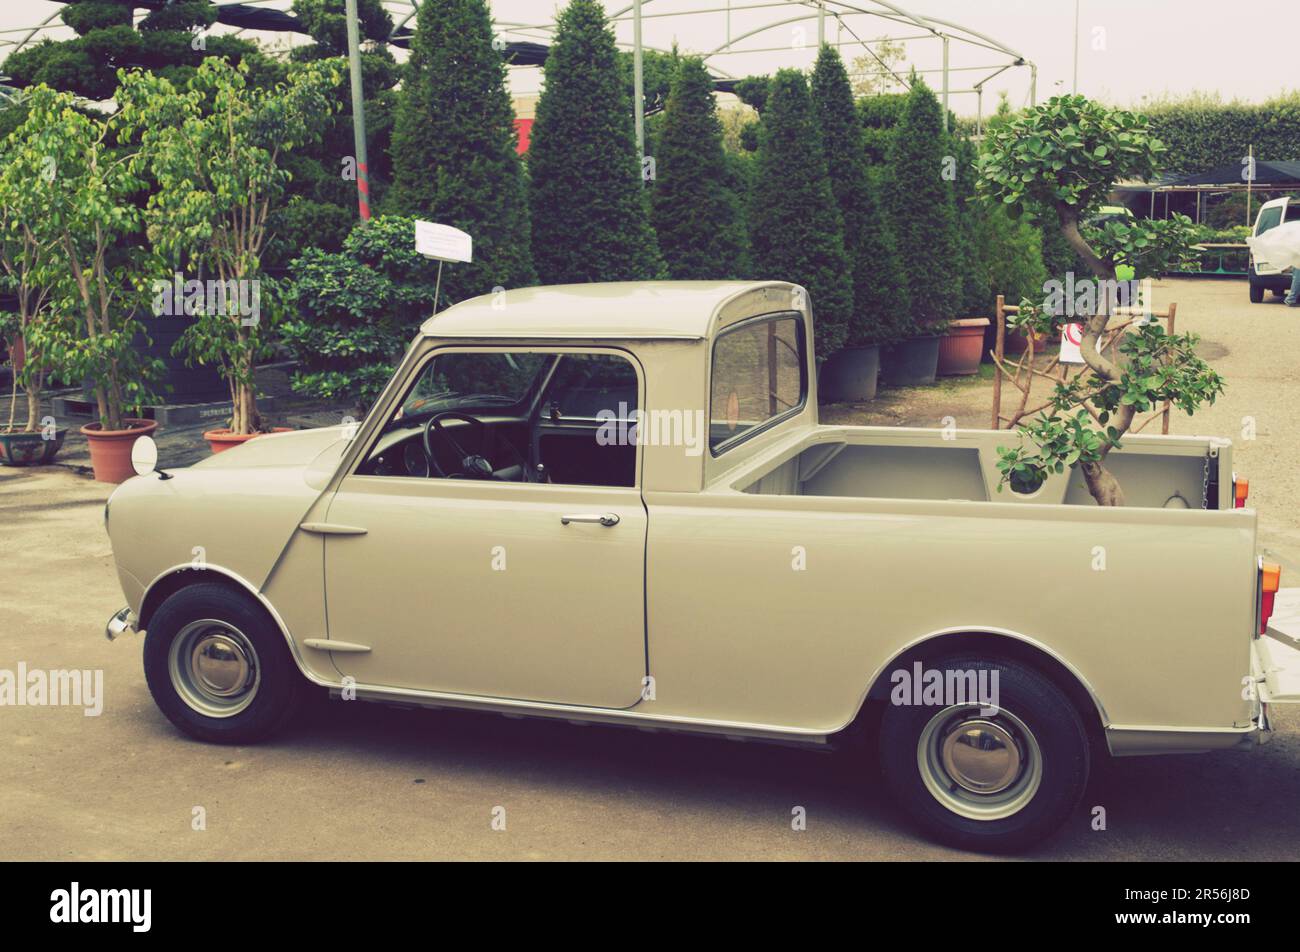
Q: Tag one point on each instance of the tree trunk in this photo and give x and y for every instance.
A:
(33, 407)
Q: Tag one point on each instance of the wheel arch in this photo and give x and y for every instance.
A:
(997, 642)
(172, 580)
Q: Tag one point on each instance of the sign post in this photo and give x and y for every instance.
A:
(442, 243)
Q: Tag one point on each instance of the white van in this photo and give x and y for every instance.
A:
(1262, 275)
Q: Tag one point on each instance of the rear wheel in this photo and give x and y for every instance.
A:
(217, 666)
(988, 779)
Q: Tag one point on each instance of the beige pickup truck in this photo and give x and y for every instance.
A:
(614, 503)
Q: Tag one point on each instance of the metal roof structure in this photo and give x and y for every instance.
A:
(747, 37)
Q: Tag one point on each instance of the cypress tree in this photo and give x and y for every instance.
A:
(880, 302)
(590, 221)
(922, 213)
(695, 213)
(797, 232)
(454, 147)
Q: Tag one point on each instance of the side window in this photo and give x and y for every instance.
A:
(1292, 210)
(514, 417)
(758, 377)
(1268, 218)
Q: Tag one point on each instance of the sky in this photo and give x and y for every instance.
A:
(1128, 50)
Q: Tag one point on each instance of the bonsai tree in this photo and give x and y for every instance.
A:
(695, 213)
(1066, 156)
(797, 232)
(80, 204)
(589, 215)
(353, 312)
(880, 301)
(454, 156)
(214, 149)
(922, 213)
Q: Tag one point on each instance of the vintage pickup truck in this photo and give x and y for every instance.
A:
(614, 503)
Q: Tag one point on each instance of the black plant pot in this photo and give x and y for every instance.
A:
(850, 375)
(910, 363)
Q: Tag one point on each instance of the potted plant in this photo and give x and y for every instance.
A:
(79, 205)
(1066, 155)
(962, 346)
(215, 148)
(924, 221)
(24, 258)
(880, 296)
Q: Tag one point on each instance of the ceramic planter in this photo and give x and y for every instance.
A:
(910, 363)
(110, 450)
(850, 375)
(961, 349)
(21, 448)
(222, 439)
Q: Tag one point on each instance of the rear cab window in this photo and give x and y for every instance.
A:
(758, 378)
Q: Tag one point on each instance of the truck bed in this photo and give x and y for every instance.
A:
(914, 463)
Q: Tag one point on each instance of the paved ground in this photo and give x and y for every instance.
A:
(355, 781)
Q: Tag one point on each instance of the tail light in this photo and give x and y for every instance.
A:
(1270, 580)
(1240, 491)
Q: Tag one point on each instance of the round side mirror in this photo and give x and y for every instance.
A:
(144, 455)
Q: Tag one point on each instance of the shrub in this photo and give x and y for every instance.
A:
(796, 232)
(589, 213)
(695, 212)
(454, 158)
(922, 212)
(880, 303)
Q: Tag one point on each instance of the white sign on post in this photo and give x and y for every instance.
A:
(1071, 338)
(442, 242)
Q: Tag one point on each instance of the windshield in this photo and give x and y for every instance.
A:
(474, 380)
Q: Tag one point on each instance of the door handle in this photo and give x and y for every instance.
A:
(596, 518)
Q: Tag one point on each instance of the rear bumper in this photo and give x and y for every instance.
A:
(122, 623)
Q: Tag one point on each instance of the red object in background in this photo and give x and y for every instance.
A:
(1270, 582)
(524, 130)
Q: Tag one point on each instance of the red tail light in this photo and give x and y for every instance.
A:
(1240, 490)
(1270, 580)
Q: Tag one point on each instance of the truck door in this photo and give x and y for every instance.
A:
(497, 587)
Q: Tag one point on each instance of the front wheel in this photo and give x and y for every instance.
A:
(217, 666)
(1256, 293)
(997, 777)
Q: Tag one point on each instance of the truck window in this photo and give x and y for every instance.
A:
(758, 378)
(1268, 218)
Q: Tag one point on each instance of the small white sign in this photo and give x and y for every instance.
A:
(442, 242)
(1071, 338)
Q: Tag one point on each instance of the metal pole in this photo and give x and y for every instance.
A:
(638, 90)
(1033, 84)
(979, 110)
(945, 83)
(821, 25)
(358, 111)
(1076, 47)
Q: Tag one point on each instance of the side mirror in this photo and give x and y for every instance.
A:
(144, 456)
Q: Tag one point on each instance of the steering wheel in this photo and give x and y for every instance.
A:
(472, 465)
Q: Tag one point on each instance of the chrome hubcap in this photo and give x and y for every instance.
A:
(981, 756)
(214, 668)
(980, 766)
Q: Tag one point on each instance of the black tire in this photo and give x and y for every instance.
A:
(1256, 293)
(1056, 729)
(278, 686)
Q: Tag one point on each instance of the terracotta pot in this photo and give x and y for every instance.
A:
(962, 347)
(110, 450)
(222, 439)
(850, 375)
(911, 363)
(21, 448)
